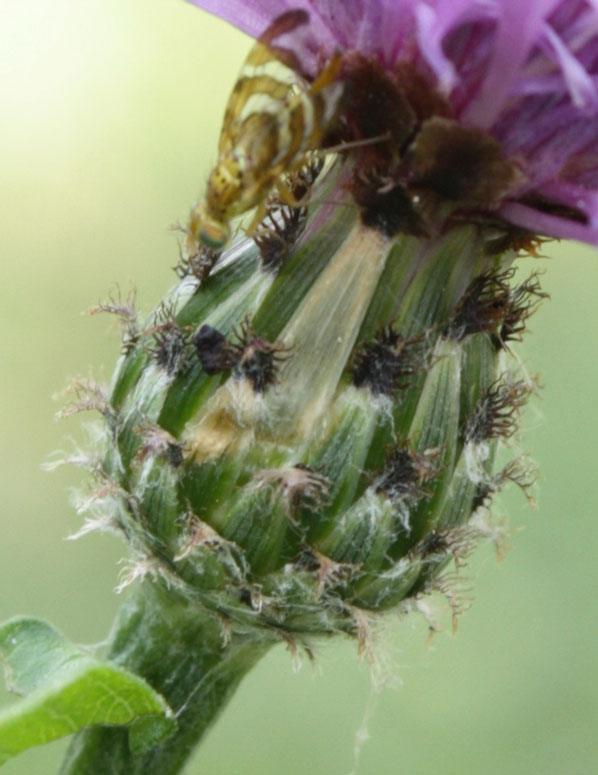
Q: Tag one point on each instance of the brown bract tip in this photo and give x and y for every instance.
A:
(284, 222)
(257, 359)
(524, 300)
(299, 485)
(170, 346)
(249, 355)
(497, 412)
(386, 364)
(155, 441)
(484, 305)
(406, 472)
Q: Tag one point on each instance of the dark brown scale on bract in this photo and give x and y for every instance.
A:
(195, 259)
(301, 181)
(524, 300)
(257, 364)
(300, 487)
(434, 543)
(170, 348)
(458, 542)
(278, 233)
(387, 364)
(249, 356)
(484, 305)
(257, 360)
(405, 474)
(201, 262)
(329, 573)
(170, 341)
(497, 412)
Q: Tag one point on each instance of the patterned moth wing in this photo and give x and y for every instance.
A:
(272, 120)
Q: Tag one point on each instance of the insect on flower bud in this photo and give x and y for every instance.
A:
(327, 400)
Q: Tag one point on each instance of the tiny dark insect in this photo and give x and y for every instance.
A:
(213, 350)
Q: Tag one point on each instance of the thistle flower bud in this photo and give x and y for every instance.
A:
(303, 434)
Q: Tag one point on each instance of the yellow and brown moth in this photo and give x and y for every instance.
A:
(273, 119)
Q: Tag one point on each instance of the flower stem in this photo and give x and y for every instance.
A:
(188, 656)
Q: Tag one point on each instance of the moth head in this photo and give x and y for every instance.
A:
(213, 233)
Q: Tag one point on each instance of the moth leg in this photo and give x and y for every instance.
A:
(328, 75)
(260, 212)
(287, 195)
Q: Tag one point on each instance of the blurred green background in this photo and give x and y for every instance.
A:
(110, 115)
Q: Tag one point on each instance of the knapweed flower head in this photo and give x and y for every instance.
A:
(304, 433)
(522, 73)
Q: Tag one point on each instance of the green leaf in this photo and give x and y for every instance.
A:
(67, 689)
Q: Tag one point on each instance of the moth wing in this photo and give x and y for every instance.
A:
(269, 76)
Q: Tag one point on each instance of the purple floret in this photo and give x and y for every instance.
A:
(525, 71)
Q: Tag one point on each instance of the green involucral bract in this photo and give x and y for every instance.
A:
(301, 437)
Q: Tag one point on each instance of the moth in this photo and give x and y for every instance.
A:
(271, 123)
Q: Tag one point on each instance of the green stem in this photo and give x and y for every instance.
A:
(187, 655)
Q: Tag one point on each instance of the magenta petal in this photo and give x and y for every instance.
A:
(579, 82)
(250, 17)
(526, 71)
(576, 197)
(516, 35)
(434, 23)
(368, 37)
(430, 38)
(334, 23)
(254, 16)
(341, 19)
(550, 225)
